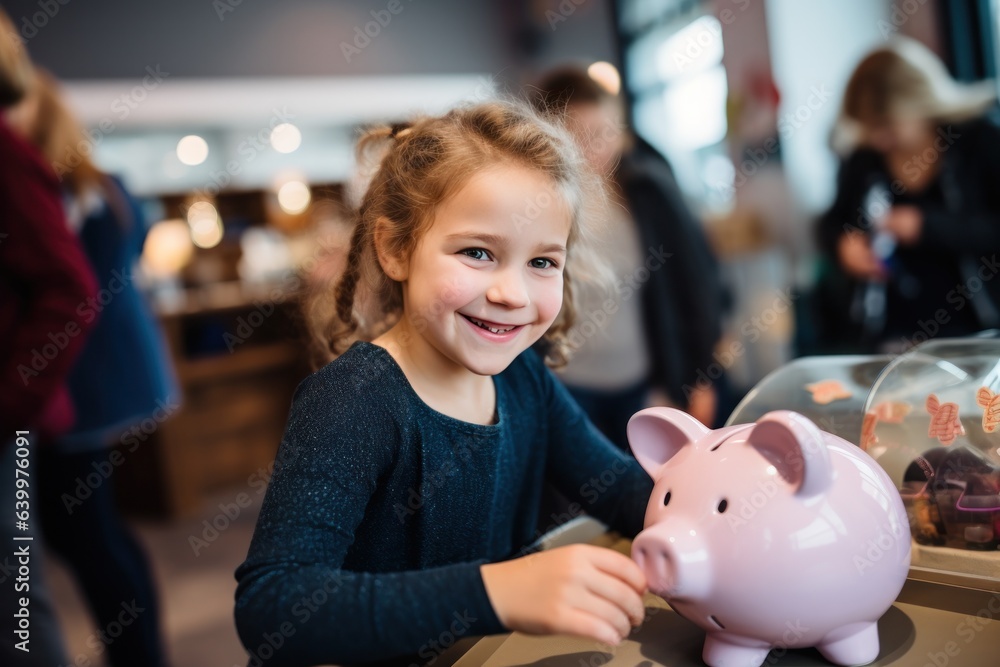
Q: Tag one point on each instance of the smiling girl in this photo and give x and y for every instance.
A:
(411, 467)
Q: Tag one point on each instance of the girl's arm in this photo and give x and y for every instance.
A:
(588, 468)
(580, 589)
(293, 600)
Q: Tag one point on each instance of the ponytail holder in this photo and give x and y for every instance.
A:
(399, 130)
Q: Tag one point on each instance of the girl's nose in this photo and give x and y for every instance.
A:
(508, 289)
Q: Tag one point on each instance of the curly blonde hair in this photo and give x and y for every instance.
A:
(420, 165)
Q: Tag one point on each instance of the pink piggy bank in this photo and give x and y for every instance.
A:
(769, 535)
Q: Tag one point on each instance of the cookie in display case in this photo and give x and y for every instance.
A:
(931, 421)
(831, 391)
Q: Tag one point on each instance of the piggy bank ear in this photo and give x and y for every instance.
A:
(656, 434)
(794, 445)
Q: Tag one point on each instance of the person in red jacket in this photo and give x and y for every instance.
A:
(44, 279)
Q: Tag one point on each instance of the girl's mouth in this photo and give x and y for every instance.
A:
(493, 327)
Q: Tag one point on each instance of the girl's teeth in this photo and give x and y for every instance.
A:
(489, 328)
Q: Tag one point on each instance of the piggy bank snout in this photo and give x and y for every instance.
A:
(674, 560)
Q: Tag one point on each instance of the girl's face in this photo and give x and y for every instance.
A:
(486, 279)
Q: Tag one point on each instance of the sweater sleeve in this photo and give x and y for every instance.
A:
(588, 468)
(44, 262)
(295, 605)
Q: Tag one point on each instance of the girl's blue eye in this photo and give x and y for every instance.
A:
(476, 253)
(542, 263)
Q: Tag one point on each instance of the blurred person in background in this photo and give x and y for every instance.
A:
(122, 376)
(646, 345)
(911, 236)
(44, 276)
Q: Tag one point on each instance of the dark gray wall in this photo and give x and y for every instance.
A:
(195, 38)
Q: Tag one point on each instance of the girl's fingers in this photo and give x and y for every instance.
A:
(621, 567)
(620, 594)
(610, 613)
(589, 626)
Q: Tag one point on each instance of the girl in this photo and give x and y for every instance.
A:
(405, 491)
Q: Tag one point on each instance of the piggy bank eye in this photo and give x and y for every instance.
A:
(723, 504)
(666, 499)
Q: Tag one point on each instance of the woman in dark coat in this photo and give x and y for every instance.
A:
(652, 342)
(913, 234)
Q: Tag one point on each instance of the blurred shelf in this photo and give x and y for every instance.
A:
(249, 361)
(238, 362)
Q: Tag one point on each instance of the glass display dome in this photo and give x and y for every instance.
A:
(931, 418)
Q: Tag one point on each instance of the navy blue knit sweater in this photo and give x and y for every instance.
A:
(381, 510)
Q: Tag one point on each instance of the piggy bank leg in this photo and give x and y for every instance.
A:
(856, 644)
(721, 653)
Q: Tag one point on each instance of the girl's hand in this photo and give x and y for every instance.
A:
(580, 590)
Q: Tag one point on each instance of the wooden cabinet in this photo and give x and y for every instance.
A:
(238, 357)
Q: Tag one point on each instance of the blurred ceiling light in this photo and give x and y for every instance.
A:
(606, 75)
(205, 224)
(294, 197)
(167, 248)
(285, 138)
(192, 150)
